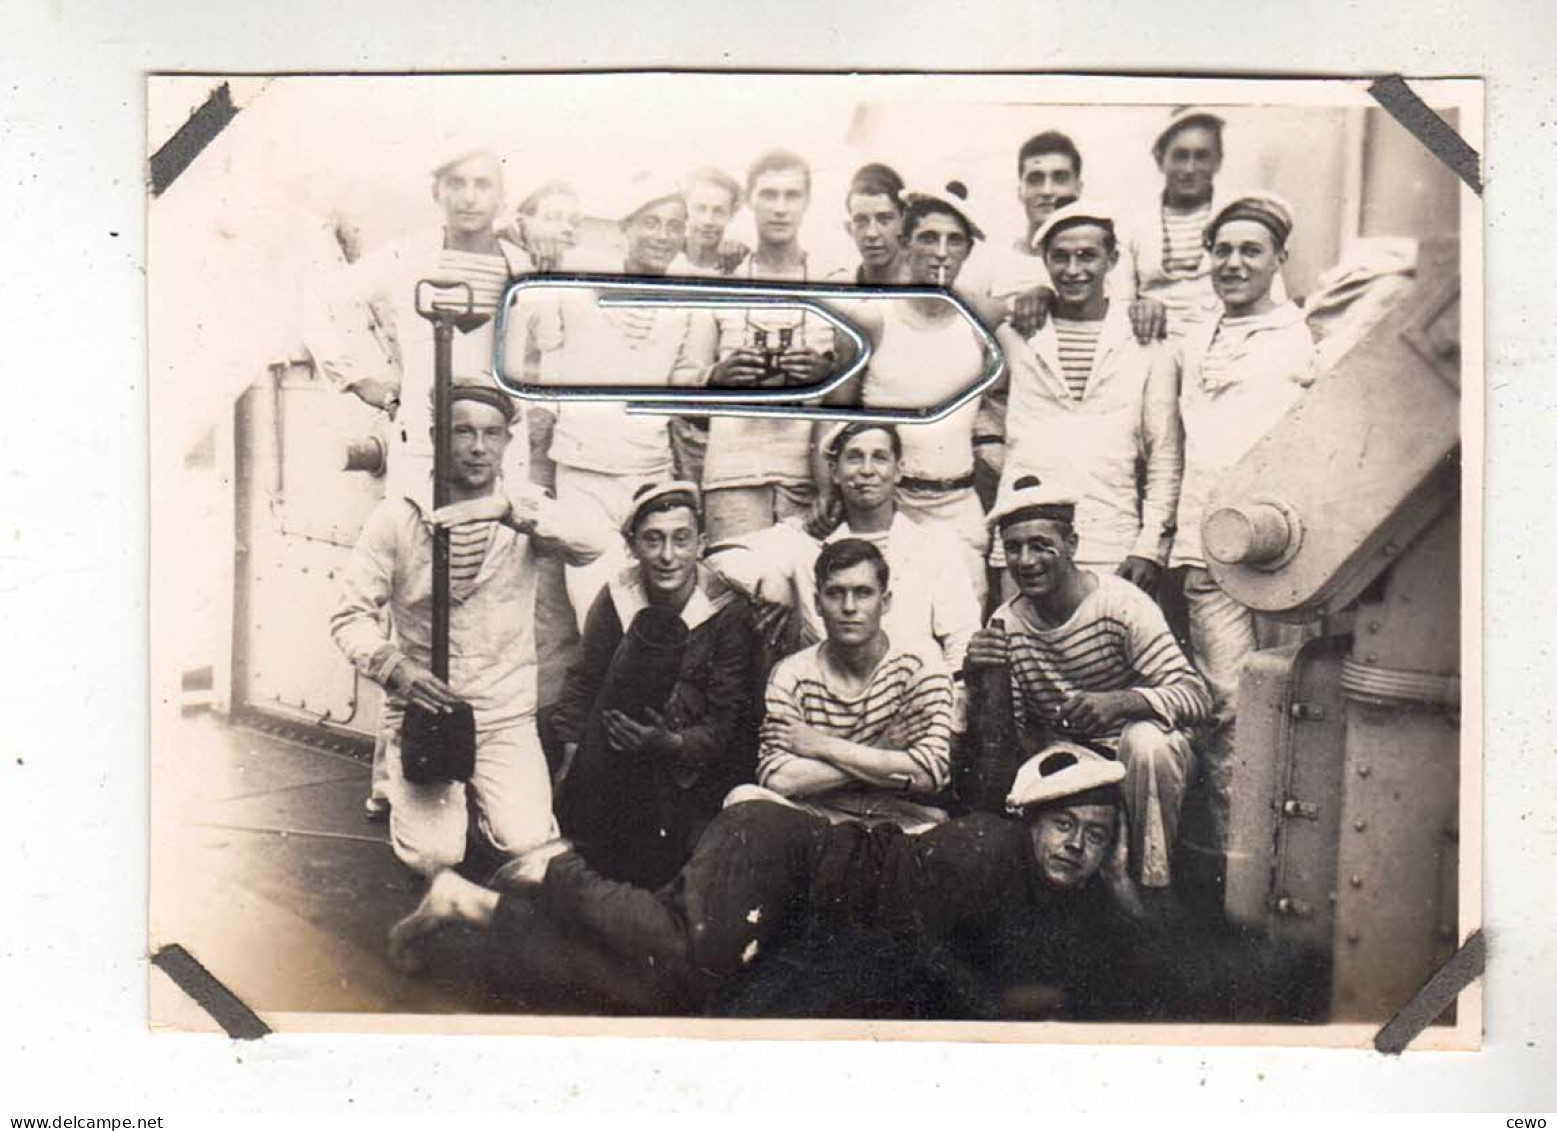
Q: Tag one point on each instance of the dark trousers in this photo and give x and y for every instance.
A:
(588, 943)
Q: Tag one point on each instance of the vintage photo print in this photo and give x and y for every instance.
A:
(931, 556)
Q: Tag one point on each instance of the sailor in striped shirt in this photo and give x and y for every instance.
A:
(713, 198)
(1167, 249)
(1091, 402)
(603, 453)
(382, 623)
(858, 725)
(393, 369)
(1092, 659)
(1242, 373)
(1078, 346)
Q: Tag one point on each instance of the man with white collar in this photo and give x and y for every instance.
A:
(396, 374)
(1089, 402)
(496, 529)
(677, 759)
(1242, 372)
(1091, 658)
(933, 595)
(1015, 282)
(998, 905)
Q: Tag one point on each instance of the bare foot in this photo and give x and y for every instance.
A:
(439, 907)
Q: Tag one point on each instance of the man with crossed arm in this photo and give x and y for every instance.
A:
(859, 725)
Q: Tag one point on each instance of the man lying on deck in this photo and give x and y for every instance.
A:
(1013, 916)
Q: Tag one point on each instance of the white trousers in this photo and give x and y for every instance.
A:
(512, 788)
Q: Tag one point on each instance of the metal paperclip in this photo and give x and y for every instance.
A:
(710, 294)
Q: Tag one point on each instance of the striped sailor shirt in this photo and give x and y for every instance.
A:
(468, 545)
(1116, 640)
(1078, 348)
(1183, 236)
(1226, 348)
(487, 275)
(906, 705)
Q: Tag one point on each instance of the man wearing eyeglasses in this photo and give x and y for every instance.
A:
(603, 454)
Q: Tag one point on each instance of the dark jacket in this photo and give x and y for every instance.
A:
(634, 816)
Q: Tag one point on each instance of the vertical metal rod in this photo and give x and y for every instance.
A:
(244, 628)
(278, 371)
(443, 371)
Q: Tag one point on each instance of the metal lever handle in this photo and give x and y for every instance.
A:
(438, 306)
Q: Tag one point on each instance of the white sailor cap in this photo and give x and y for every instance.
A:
(953, 197)
(684, 491)
(641, 190)
(1066, 771)
(1089, 211)
(1029, 497)
(1182, 117)
(458, 151)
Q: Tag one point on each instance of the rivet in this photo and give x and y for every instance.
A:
(1371, 658)
(1356, 881)
(1359, 824)
(1374, 626)
(1363, 771)
(1353, 937)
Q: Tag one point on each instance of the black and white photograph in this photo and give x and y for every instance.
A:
(815, 555)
